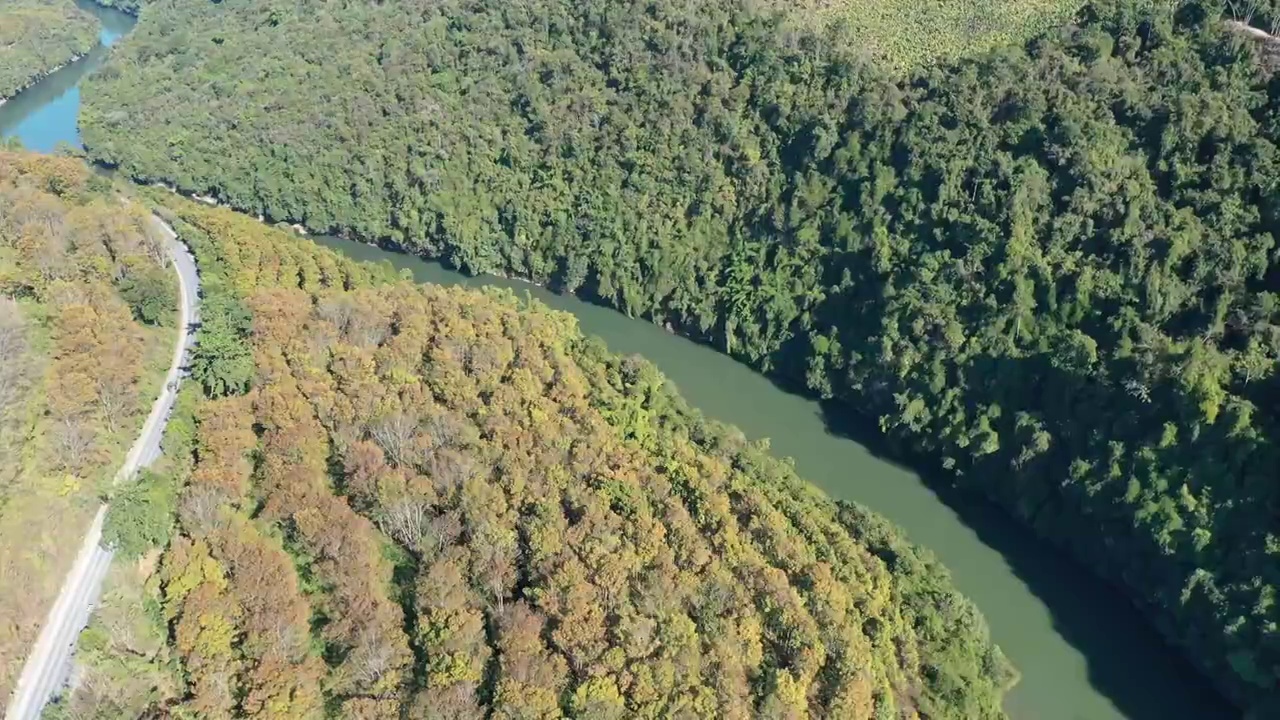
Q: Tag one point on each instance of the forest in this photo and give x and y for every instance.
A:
(39, 36)
(1048, 269)
(438, 503)
(132, 7)
(87, 306)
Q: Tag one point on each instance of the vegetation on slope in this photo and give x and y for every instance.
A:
(437, 503)
(125, 666)
(78, 371)
(1052, 268)
(38, 36)
(132, 7)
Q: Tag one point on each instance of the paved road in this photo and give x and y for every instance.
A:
(49, 664)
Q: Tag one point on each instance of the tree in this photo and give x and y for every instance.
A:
(13, 357)
(140, 517)
(151, 294)
(221, 361)
(73, 442)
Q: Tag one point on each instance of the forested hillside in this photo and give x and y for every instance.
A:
(1050, 269)
(84, 301)
(132, 7)
(38, 36)
(437, 503)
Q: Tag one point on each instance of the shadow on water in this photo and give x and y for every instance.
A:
(1128, 661)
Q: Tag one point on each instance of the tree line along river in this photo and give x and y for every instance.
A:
(1083, 651)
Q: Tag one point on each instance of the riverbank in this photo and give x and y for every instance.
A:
(41, 78)
(1082, 648)
(39, 38)
(132, 8)
(44, 115)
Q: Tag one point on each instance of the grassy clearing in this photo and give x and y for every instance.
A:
(908, 34)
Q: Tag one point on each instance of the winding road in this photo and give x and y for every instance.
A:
(49, 664)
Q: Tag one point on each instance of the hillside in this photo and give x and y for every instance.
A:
(1050, 269)
(38, 36)
(84, 300)
(444, 503)
(273, 114)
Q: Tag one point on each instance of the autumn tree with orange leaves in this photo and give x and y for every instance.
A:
(438, 503)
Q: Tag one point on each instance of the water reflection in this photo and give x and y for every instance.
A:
(44, 115)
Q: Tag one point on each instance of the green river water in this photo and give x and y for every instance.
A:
(1083, 651)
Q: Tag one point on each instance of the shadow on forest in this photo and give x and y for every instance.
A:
(1127, 659)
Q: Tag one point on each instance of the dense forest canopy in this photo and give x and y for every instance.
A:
(38, 36)
(1050, 268)
(84, 292)
(437, 503)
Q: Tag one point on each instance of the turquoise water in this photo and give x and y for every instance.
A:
(44, 115)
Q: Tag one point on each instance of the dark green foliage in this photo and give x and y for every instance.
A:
(1065, 292)
(151, 293)
(132, 7)
(222, 361)
(1054, 269)
(180, 430)
(140, 517)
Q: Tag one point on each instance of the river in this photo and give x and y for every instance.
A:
(1083, 651)
(44, 114)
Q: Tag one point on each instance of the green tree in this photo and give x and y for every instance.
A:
(222, 361)
(151, 294)
(140, 516)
